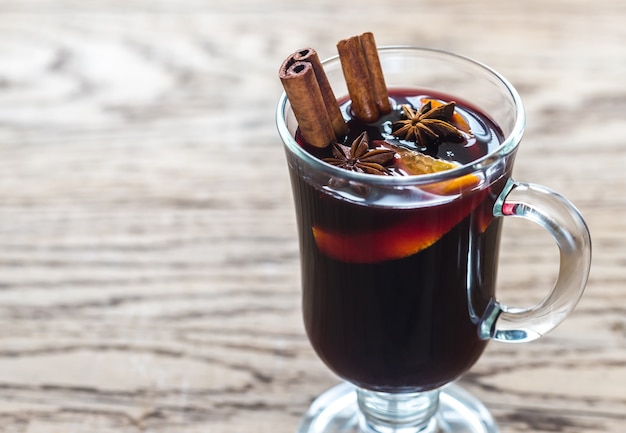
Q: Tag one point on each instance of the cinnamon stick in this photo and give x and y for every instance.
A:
(377, 79)
(364, 77)
(307, 102)
(330, 101)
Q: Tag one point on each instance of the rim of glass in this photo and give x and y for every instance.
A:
(508, 145)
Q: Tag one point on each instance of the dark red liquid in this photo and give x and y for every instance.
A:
(388, 320)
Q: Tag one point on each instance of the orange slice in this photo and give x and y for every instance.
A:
(415, 163)
(453, 186)
(399, 240)
(376, 246)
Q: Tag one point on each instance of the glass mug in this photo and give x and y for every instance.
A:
(399, 327)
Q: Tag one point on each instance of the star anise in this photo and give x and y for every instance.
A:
(427, 126)
(360, 158)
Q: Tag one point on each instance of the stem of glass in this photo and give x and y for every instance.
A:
(383, 412)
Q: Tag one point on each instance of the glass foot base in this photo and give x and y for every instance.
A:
(336, 411)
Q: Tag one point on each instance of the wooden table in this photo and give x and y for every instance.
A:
(148, 256)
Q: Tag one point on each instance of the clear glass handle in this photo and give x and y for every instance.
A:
(562, 220)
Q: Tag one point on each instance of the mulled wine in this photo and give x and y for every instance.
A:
(399, 196)
(394, 290)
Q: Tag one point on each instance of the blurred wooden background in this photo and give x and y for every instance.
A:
(148, 257)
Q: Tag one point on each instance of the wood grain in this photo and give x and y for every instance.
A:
(148, 257)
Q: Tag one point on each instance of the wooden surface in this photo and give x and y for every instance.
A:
(148, 256)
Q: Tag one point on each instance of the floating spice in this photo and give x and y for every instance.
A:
(364, 77)
(360, 158)
(428, 126)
